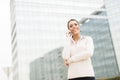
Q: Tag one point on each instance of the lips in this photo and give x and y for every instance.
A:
(76, 29)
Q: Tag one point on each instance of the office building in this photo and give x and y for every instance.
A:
(38, 26)
(113, 10)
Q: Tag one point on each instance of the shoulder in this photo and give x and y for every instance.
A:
(87, 37)
(67, 41)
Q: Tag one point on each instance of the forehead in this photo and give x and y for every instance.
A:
(72, 22)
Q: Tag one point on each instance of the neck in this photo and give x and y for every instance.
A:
(76, 37)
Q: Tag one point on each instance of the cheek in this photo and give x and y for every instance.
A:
(78, 28)
(70, 29)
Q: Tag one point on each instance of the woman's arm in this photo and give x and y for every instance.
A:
(83, 55)
(66, 48)
(66, 53)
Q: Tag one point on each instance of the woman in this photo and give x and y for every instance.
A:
(77, 53)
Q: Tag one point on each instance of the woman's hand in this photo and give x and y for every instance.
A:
(66, 63)
(68, 34)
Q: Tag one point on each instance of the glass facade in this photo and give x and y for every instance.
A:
(39, 26)
(104, 59)
(113, 12)
(50, 67)
(14, 40)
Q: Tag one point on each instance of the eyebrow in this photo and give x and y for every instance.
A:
(73, 23)
(70, 24)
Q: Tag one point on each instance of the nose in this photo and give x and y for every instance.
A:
(74, 27)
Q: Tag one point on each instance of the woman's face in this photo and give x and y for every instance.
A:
(74, 27)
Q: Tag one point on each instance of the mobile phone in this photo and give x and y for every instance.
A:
(69, 34)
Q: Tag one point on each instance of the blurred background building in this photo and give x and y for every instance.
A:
(38, 29)
(113, 10)
(104, 55)
(51, 67)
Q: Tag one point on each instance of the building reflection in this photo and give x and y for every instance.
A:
(49, 67)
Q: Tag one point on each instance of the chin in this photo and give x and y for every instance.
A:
(75, 33)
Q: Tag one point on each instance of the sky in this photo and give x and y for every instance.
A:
(5, 37)
(5, 31)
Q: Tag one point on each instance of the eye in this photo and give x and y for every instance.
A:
(71, 26)
(75, 24)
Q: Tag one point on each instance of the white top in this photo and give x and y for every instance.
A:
(79, 55)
